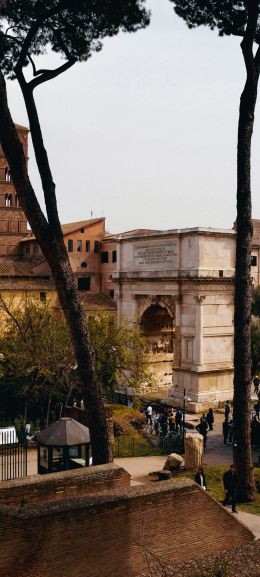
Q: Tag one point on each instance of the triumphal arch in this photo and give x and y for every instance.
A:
(178, 285)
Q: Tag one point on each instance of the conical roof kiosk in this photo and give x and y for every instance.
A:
(63, 445)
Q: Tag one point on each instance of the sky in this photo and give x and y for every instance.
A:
(144, 133)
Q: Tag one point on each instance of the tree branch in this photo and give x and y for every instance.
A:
(249, 37)
(46, 75)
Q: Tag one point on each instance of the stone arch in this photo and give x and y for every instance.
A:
(157, 326)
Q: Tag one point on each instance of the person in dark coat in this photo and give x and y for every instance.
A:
(178, 419)
(202, 428)
(256, 382)
(227, 409)
(200, 478)
(210, 419)
(230, 486)
(225, 428)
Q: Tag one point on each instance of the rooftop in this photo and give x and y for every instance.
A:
(69, 227)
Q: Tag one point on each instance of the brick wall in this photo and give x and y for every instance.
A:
(107, 535)
(38, 489)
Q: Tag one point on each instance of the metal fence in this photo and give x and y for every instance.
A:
(137, 446)
(13, 455)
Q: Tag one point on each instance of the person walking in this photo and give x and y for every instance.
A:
(230, 486)
(149, 414)
(256, 382)
(227, 409)
(257, 409)
(225, 428)
(230, 431)
(210, 419)
(178, 419)
(200, 478)
(203, 430)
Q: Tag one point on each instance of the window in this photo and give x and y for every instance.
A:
(84, 265)
(35, 248)
(96, 246)
(79, 245)
(27, 248)
(70, 245)
(112, 293)
(42, 296)
(83, 284)
(7, 175)
(87, 245)
(104, 257)
(220, 273)
(82, 230)
(253, 260)
(114, 256)
(8, 199)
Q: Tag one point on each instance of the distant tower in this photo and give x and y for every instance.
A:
(13, 223)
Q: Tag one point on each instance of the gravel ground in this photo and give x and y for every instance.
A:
(240, 562)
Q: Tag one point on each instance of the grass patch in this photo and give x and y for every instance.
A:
(126, 420)
(214, 479)
(134, 446)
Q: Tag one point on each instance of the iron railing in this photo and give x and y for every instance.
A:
(13, 455)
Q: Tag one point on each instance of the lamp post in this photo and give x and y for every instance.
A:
(188, 399)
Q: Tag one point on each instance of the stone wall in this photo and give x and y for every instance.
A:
(112, 535)
(54, 487)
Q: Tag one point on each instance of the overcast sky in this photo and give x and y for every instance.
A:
(144, 133)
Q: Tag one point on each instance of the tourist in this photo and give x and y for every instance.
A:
(163, 420)
(257, 409)
(200, 478)
(178, 419)
(230, 486)
(225, 428)
(210, 419)
(230, 431)
(172, 423)
(202, 428)
(227, 409)
(256, 382)
(149, 414)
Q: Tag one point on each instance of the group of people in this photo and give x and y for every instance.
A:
(164, 421)
(229, 482)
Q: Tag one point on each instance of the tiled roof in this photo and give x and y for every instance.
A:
(69, 227)
(17, 266)
(130, 233)
(20, 127)
(98, 301)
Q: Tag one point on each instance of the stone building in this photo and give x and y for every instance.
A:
(177, 285)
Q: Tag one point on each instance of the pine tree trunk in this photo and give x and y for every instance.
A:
(56, 255)
(243, 297)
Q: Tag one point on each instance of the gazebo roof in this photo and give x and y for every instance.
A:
(64, 432)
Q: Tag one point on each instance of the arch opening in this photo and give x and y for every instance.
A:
(157, 326)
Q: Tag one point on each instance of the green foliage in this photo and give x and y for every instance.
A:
(72, 28)
(37, 357)
(227, 16)
(120, 354)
